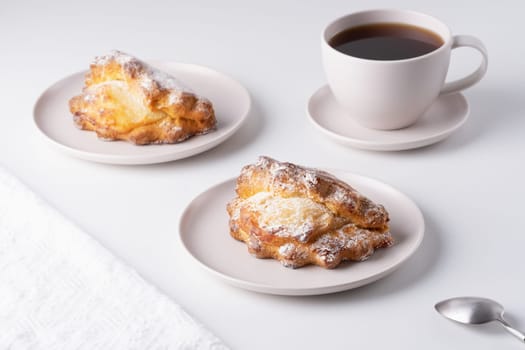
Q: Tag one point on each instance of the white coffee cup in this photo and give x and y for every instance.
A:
(393, 94)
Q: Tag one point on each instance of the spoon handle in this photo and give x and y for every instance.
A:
(512, 330)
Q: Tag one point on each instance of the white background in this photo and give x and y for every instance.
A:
(470, 187)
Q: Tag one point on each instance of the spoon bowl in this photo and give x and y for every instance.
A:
(470, 310)
(475, 310)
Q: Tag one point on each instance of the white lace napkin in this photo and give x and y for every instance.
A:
(60, 289)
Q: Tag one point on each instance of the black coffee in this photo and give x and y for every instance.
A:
(386, 41)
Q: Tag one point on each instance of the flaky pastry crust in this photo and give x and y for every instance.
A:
(126, 99)
(303, 216)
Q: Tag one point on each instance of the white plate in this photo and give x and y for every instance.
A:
(205, 235)
(447, 114)
(230, 100)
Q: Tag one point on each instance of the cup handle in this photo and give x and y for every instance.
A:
(472, 78)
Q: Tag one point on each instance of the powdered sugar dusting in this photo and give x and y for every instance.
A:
(289, 217)
(149, 78)
(115, 55)
(329, 247)
(286, 249)
(339, 195)
(89, 97)
(291, 253)
(147, 83)
(309, 178)
(203, 105)
(165, 80)
(294, 179)
(175, 97)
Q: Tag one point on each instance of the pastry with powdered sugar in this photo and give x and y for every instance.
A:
(303, 216)
(124, 98)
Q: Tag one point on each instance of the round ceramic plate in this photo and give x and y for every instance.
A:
(230, 100)
(205, 235)
(446, 115)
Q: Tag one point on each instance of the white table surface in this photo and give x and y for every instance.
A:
(470, 187)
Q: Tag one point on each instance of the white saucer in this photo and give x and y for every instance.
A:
(204, 233)
(446, 115)
(230, 100)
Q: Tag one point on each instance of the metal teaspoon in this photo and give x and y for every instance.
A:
(474, 310)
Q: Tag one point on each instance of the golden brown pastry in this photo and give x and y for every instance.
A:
(126, 99)
(303, 216)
